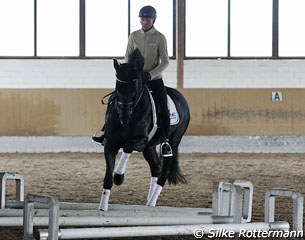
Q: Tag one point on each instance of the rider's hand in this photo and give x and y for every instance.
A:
(146, 75)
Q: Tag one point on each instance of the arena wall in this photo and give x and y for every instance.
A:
(227, 97)
(78, 112)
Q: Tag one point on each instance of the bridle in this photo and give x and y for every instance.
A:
(132, 104)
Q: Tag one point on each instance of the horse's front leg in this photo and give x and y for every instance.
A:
(118, 177)
(137, 144)
(108, 179)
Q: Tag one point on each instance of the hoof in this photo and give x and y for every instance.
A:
(118, 179)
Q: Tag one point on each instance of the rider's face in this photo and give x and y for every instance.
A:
(146, 23)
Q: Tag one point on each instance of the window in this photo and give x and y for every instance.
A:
(17, 28)
(214, 28)
(251, 28)
(106, 27)
(57, 28)
(206, 28)
(291, 28)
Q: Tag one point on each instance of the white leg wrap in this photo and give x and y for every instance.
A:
(153, 199)
(120, 169)
(104, 200)
(152, 187)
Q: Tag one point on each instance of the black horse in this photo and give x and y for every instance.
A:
(128, 125)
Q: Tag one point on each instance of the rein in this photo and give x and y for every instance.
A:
(107, 95)
(138, 100)
(102, 100)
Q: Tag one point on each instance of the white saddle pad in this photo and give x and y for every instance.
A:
(173, 114)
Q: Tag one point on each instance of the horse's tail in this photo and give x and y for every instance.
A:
(175, 175)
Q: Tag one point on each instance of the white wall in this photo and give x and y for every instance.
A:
(245, 73)
(69, 73)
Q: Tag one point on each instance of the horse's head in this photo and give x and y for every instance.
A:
(129, 85)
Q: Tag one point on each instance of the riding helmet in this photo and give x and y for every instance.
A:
(148, 12)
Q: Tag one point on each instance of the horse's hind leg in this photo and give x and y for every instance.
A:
(160, 182)
(170, 171)
(173, 173)
(153, 160)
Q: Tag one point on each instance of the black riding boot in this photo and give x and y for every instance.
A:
(160, 96)
(101, 139)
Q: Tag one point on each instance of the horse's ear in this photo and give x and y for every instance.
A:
(116, 64)
(136, 60)
(136, 53)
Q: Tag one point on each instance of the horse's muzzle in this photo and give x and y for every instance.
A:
(125, 112)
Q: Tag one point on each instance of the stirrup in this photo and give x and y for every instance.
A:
(166, 149)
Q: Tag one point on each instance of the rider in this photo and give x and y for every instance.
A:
(153, 47)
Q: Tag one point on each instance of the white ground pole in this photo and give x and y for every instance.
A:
(4, 176)
(298, 206)
(117, 221)
(142, 231)
(13, 205)
(121, 215)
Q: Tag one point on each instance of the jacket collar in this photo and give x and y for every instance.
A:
(150, 31)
